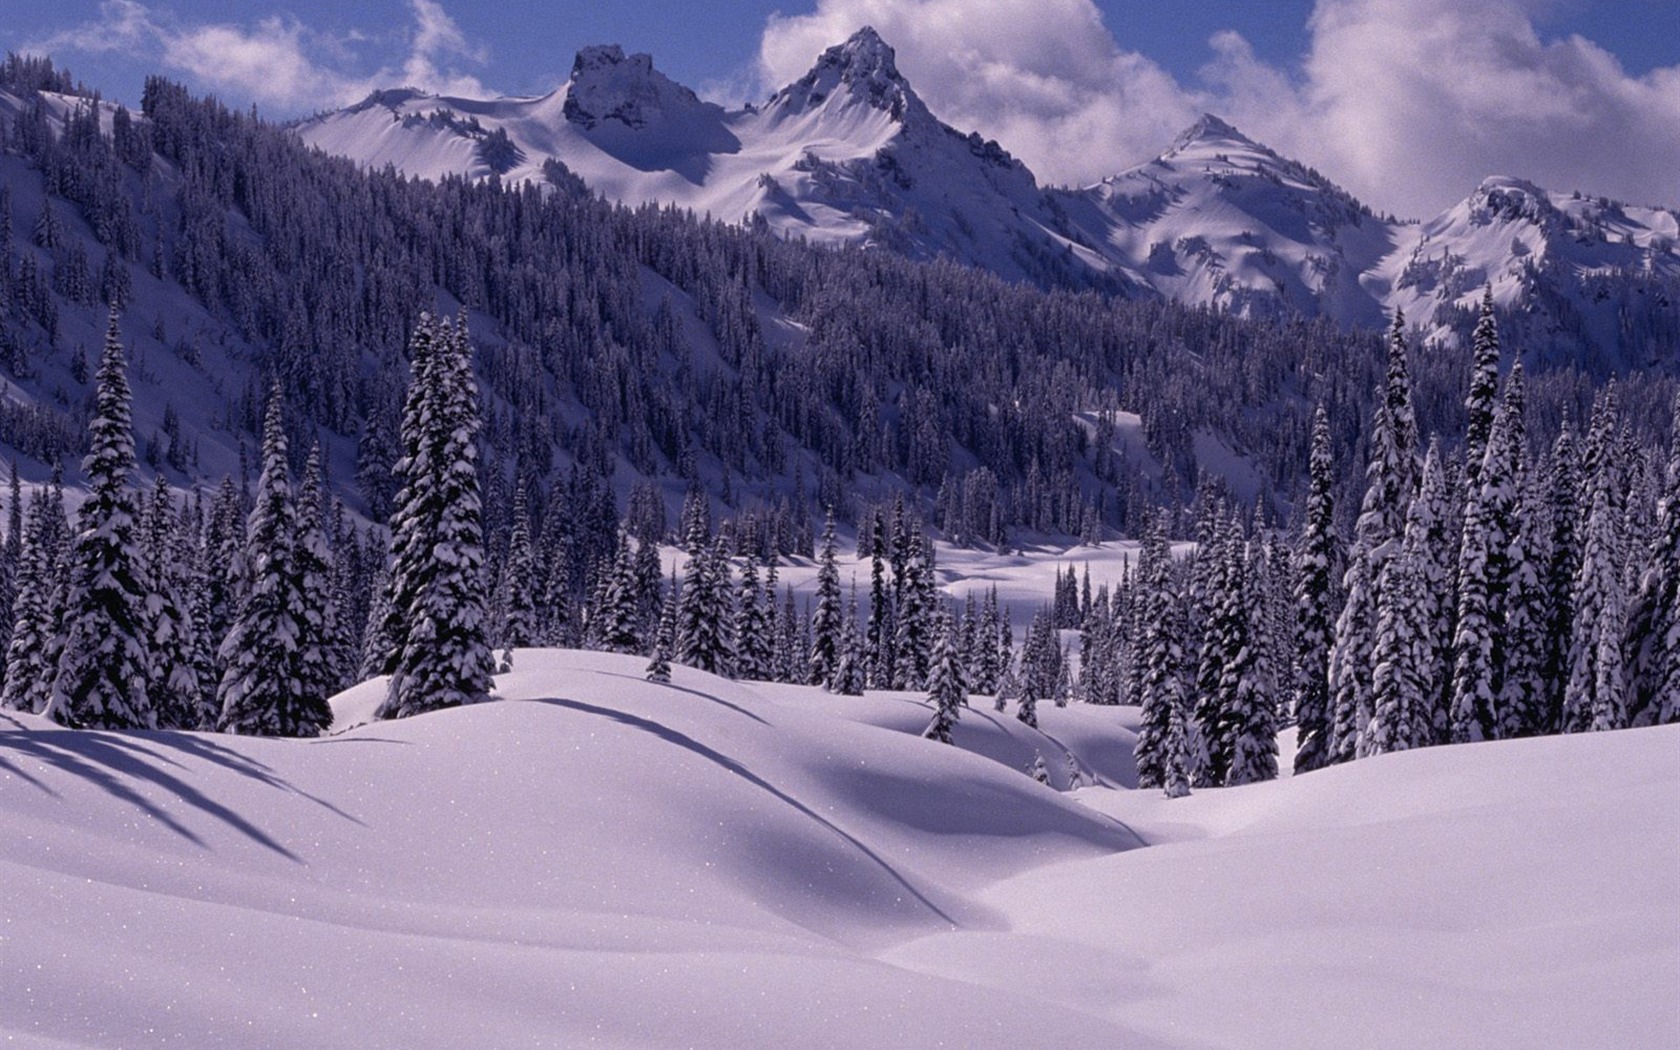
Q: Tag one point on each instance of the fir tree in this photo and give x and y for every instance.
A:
(175, 685)
(262, 691)
(754, 632)
(1594, 698)
(1315, 603)
(659, 665)
(849, 672)
(518, 628)
(28, 672)
(826, 620)
(1247, 720)
(1484, 386)
(946, 691)
(445, 659)
(1161, 692)
(105, 665)
(318, 677)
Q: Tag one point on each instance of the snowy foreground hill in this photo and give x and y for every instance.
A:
(597, 860)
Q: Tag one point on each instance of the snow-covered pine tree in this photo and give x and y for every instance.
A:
(827, 617)
(316, 616)
(175, 687)
(105, 663)
(1161, 691)
(1038, 770)
(849, 672)
(1598, 613)
(618, 618)
(1315, 604)
(1484, 572)
(880, 634)
(1224, 637)
(659, 664)
(1484, 388)
(1528, 615)
(28, 673)
(754, 631)
(1248, 709)
(446, 659)
(518, 605)
(415, 509)
(1654, 620)
(946, 689)
(1409, 614)
(261, 690)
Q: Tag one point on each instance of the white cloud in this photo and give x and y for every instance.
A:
(1407, 103)
(278, 61)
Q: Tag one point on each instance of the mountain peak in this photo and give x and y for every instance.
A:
(607, 84)
(1210, 129)
(864, 68)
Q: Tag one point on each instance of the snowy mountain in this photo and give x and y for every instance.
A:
(850, 155)
(713, 863)
(846, 154)
(1220, 219)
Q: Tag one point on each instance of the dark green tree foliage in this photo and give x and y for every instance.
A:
(1484, 389)
(1408, 617)
(262, 691)
(416, 509)
(29, 670)
(1484, 575)
(1315, 605)
(318, 676)
(947, 691)
(849, 669)
(619, 626)
(1595, 698)
(518, 604)
(105, 663)
(754, 629)
(175, 688)
(826, 620)
(1247, 722)
(1162, 693)
(445, 659)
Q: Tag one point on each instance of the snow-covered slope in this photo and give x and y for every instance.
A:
(1222, 220)
(846, 154)
(1578, 271)
(602, 861)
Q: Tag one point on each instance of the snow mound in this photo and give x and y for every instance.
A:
(599, 860)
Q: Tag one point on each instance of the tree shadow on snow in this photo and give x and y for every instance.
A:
(688, 743)
(121, 764)
(737, 708)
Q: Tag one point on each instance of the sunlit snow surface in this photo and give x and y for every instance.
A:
(601, 861)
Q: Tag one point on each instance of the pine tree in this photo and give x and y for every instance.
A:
(104, 666)
(946, 690)
(826, 620)
(415, 510)
(1484, 386)
(1315, 605)
(1161, 692)
(753, 629)
(849, 672)
(175, 686)
(1408, 617)
(1595, 696)
(1528, 616)
(880, 609)
(1247, 720)
(618, 620)
(261, 691)
(313, 565)
(1654, 621)
(1484, 571)
(659, 665)
(28, 672)
(445, 659)
(519, 613)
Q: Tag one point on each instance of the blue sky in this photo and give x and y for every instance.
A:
(1406, 102)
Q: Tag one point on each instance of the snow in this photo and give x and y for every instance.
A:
(850, 155)
(598, 860)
